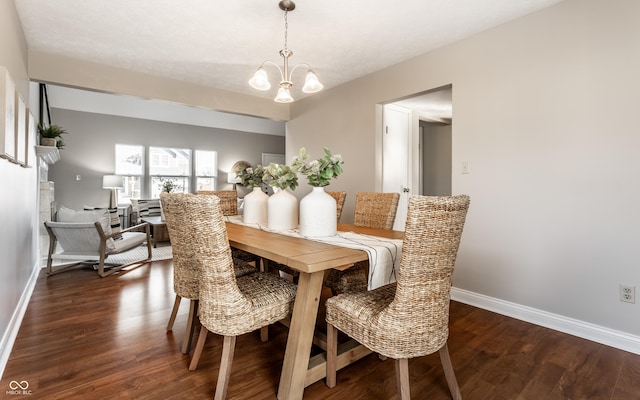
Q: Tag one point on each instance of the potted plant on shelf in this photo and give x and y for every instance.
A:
(318, 209)
(282, 206)
(51, 135)
(255, 203)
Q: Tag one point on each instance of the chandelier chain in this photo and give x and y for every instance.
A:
(286, 29)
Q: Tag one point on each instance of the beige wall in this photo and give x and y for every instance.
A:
(545, 112)
(18, 197)
(49, 68)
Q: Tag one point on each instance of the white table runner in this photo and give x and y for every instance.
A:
(384, 253)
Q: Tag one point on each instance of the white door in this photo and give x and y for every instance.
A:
(396, 167)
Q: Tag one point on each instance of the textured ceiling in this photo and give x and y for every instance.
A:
(221, 43)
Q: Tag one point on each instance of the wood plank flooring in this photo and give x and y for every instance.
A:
(84, 337)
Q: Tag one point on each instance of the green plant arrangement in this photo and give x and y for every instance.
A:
(52, 132)
(167, 185)
(251, 177)
(280, 176)
(319, 172)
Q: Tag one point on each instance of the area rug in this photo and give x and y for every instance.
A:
(158, 253)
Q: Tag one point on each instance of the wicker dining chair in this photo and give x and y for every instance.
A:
(186, 275)
(228, 200)
(373, 210)
(229, 206)
(229, 306)
(409, 318)
(339, 198)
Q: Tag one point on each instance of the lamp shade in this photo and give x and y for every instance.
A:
(283, 96)
(112, 181)
(311, 83)
(260, 80)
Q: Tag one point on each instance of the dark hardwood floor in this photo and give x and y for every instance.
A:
(84, 337)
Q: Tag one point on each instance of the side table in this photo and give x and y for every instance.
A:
(159, 230)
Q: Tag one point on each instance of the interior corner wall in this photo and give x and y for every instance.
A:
(90, 150)
(545, 113)
(18, 198)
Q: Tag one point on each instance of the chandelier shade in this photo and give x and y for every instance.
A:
(260, 79)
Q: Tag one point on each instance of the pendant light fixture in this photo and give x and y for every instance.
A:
(260, 80)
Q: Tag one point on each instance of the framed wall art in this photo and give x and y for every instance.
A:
(21, 130)
(7, 115)
(30, 135)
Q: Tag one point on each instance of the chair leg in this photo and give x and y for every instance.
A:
(402, 378)
(228, 347)
(198, 351)
(448, 373)
(174, 312)
(264, 333)
(191, 325)
(332, 355)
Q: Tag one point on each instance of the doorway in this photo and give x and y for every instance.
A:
(414, 147)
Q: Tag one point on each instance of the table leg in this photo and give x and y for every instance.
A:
(303, 323)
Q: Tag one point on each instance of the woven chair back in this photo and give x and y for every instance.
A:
(228, 200)
(339, 197)
(376, 210)
(431, 240)
(185, 269)
(223, 308)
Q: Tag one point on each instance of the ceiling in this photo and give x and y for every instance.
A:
(220, 44)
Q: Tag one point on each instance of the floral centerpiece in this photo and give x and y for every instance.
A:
(251, 177)
(282, 206)
(280, 176)
(319, 172)
(318, 209)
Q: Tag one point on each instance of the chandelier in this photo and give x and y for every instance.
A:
(260, 80)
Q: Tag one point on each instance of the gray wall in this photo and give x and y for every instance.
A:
(546, 114)
(90, 150)
(436, 159)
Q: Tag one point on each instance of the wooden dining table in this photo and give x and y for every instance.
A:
(313, 260)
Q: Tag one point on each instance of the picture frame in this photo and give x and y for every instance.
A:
(20, 130)
(272, 158)
(31, 131)
(7, 115)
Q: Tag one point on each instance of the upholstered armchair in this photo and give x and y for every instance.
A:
(81, 237)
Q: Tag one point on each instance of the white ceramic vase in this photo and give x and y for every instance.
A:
(282, 210)
(318, 214)
(255, 207)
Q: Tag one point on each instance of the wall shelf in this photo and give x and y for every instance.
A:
(50, 154)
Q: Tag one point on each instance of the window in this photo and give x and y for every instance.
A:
(169, 164)
(130, 165)
(165, 164)
(206, 170)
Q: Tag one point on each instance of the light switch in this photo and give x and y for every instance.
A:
(464, 167)
(78, 177)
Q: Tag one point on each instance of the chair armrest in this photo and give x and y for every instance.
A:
(136, 228)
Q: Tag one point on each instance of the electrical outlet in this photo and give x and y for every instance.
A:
(628, 294)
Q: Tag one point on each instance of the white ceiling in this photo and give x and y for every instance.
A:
(221, 43)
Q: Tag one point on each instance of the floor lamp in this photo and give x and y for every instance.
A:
(113, 182)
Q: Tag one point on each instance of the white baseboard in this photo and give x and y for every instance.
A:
(585, 330)
(9, 336)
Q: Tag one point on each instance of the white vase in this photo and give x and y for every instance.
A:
(282, 210)
(255, 207)
(318, 214)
